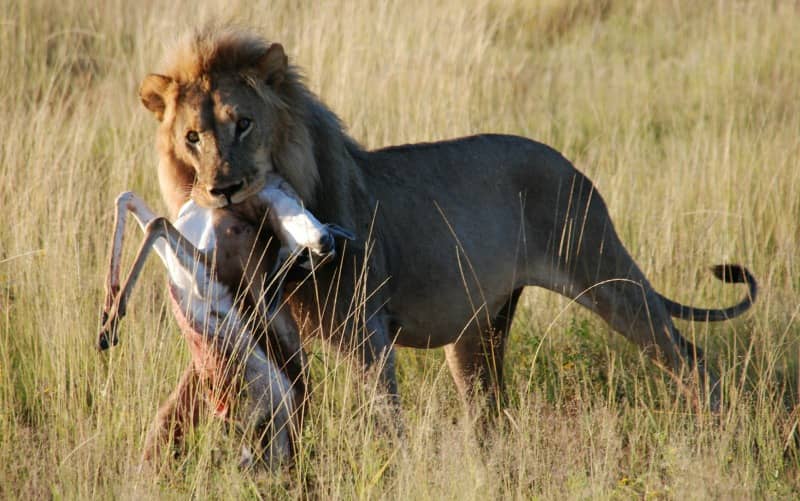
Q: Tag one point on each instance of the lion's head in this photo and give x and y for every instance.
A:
(230, 108)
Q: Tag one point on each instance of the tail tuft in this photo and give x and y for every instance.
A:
(732, 273)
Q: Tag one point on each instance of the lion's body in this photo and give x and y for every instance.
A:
(460, 227)
(448, 233)
(489, 208)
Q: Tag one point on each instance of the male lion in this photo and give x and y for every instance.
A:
(448, 233)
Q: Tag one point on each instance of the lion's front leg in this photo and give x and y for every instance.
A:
(370, 345)
(378, 355)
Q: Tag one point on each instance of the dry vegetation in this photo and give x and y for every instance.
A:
(685, 113)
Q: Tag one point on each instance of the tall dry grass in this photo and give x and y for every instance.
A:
(685, 114)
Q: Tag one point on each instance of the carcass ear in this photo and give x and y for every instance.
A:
(152, 93)
(271, 66)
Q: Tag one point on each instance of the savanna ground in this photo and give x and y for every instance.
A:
(685, 114)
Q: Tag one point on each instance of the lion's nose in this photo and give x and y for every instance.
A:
(226, 190)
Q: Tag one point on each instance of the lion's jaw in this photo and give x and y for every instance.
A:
(245, 188)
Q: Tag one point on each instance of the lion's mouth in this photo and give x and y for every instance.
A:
(247, 191)
(230, 194)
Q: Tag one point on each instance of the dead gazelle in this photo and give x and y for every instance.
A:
(219, 280)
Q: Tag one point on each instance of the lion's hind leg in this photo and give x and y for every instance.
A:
(612, 285)
(476, 359)
(634, 310)
(583, 259)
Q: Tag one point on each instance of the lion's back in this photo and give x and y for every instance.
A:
(469, 198)
(478, 181)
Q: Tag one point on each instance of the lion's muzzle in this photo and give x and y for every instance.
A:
(225, 192)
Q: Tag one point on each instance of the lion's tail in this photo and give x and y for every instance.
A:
(729, 273)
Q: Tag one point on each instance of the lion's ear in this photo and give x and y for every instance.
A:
(271, 66)
(152, 91)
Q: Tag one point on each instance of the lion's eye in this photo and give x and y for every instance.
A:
(242, 125)
(193, 137)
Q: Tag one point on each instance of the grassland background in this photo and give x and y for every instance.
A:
(685, 114)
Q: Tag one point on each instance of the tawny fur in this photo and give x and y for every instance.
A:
(452, 231)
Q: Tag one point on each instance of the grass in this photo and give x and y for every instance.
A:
(685, 114)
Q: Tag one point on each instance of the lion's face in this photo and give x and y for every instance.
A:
(221, 125)
(223, 133)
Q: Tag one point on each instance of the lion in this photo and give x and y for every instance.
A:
(447, 233)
